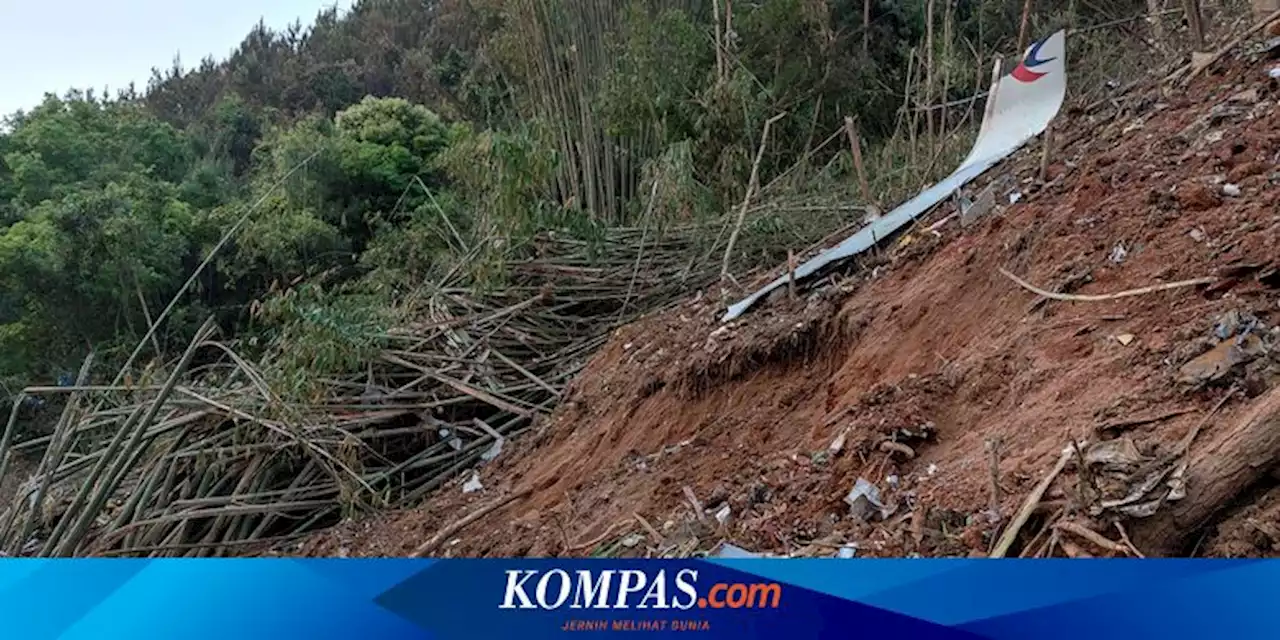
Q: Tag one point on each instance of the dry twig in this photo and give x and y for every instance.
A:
(453, 529)
(1029, 506)
(1069, 297)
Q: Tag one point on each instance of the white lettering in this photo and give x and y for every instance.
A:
(541, 591)
(658, 591)
(633, 581)
(686, 587)
(515, 589)
(587, 590)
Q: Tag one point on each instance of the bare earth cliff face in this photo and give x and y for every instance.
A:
(941, 381)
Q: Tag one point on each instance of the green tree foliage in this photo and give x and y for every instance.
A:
(376, 151)
(109, 208)
(97, 225)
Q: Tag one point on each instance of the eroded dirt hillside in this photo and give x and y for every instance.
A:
(768, 422)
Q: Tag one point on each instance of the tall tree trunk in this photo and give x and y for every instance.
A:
(928, 66)
(866, 28)
(1022, 28)
(1194, 22)
(1154, 8)
(715, 10)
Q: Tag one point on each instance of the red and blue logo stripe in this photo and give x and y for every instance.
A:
(1026, 70)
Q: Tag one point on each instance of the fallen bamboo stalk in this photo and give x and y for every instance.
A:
(752, 185)
(1191, 69)
(1029, 506)
(1089, 535)
(1069, 297)
(1129, 423)
(571, 548)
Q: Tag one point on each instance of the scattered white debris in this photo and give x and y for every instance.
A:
(989, 515)
(1274, 73)
(864, 500)
(1015, 197)
(723, 514)
(732, 552)
(1248, 95)
(454, 441)
(837, 445)
(493, 451)
(473, 485)
(1231, 190)
(632, 540)
(1119, 253)
(983, 204)
(932, 469)
(848, 551)
(1126, 339)
(1197, 235)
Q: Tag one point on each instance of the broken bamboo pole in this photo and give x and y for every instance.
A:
(855, 148)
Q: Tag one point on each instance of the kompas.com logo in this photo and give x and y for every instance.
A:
(631, 589)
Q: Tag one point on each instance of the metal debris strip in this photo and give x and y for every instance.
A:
(728, 551)
(870, 235)
(1024, 104)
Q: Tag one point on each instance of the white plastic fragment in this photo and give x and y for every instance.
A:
(454, 441)
(1119, 253)
(493, 451)
(732, 552)
(837, 445)
(473, 485)
(864, 500)
(723, 514)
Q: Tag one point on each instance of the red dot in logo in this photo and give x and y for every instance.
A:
(702, 603)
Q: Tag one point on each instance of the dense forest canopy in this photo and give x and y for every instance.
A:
(361, 157)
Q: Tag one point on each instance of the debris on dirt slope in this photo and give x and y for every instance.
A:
(936, 380)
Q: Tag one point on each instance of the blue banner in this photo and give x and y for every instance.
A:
(316, 599)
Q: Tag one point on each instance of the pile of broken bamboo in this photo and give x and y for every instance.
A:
(202, 457)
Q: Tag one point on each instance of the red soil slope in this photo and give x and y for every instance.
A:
(929, 336)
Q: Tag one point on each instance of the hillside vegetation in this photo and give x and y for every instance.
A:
(422, 164)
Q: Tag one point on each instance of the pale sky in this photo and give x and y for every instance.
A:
(55, 45)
